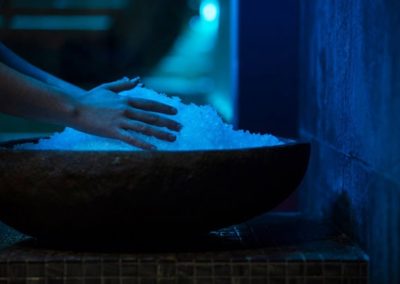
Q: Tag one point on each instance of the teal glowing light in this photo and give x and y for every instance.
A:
(209, 10)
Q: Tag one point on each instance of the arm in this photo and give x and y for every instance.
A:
(9, 58)
(100, 111)
(25, 96)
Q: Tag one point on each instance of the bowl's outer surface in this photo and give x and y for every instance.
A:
(115, 196)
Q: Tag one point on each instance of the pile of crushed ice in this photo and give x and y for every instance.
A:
(203, 129)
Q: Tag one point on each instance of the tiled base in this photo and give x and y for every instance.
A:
(138, 271)
(235, 255)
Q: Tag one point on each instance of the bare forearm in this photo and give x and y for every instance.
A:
(25, 96)
(14, 61)
(101, 111)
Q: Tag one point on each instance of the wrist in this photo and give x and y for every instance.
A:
(75, 113)
(71, 107)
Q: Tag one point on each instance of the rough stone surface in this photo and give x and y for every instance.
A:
(350, 110)
(116, 196)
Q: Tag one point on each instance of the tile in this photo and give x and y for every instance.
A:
(17, 281)
(111, 269)
(276, 269)
(111, 280)
(351, 269)
(333, 280)
(314, 280)
(204, 280)
(364, 270)
(203, 258)
(129, 269)
(129, 258)
(167, 269)
(92, 281)
(35, 281)
(148, 259)
(35, 269)
(258, 270)
(222, 270)
(259, 258)
(332, 270)
(314, 269)
(276, 280)
(73, 281)
(166, 281)
(184, 270)
(185, 280)
(259, 281)
(357, 281)
(74, 269)
(17, 269)
(204, 270)
(295, 280)
(92, 269)
(3, 270)
(241, 270)
(147, 270)
(240, 280)
(295, 269)
(222, 280)
(239, 259)
(185, 257)
(148, 281)
(51, 280)
(130, 281)
(55, 269)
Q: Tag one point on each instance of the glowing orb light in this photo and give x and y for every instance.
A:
(209, 10)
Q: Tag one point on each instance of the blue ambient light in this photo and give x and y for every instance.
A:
(209, 10)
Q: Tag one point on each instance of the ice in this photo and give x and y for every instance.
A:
(203, 129)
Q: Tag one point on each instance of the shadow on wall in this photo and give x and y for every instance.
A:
(342, 214)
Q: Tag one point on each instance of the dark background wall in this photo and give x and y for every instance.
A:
(350, 110)
(268, 66)
(268, 73)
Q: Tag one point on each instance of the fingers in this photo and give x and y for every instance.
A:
(153, 119)
(124, 84)
(127, 138)
(150, 105)
(148, 130)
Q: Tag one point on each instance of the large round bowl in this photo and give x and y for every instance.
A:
(113, 197)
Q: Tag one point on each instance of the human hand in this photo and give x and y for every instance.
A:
(105, 113)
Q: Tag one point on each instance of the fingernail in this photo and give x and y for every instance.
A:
(172, 137)
(152, 148)
(178, 126)
(125, 78)
(135, 79)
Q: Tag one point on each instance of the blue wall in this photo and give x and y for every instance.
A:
(268, 66)
(350, 109)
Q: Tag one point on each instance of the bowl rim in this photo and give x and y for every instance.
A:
(5, 147)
